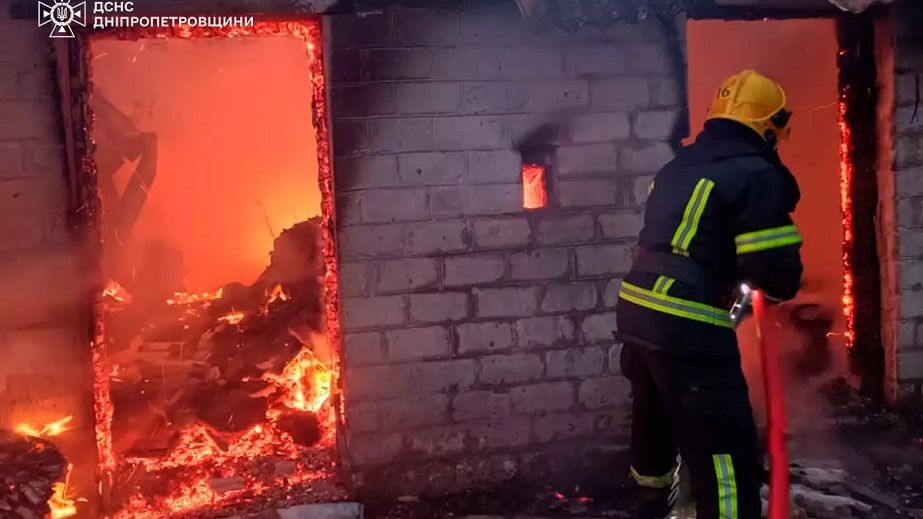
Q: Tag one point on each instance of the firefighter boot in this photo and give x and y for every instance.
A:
(652, 499)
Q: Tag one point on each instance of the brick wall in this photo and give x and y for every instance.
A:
(886, 237)
(476, 332)
(44, 335)
(908, 189)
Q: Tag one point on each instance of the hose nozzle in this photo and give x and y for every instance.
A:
(743, 304)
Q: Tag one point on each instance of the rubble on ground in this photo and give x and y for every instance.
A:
(202, 357)
(29, 468)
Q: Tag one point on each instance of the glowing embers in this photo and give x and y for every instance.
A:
(846, 178)
(297, 426)
(185, 299)
(193, 304)
(115, 296)
(534, 192)
(233, 317)
(201, 399)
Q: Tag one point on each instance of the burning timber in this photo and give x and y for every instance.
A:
(222, 399)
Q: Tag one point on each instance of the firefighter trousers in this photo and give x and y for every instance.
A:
(694, 410)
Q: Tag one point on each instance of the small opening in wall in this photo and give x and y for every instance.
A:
(534, 192)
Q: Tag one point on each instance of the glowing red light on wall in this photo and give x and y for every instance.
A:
(534, 194)
(846, 177)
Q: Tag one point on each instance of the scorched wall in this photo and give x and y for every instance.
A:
(44, 295)
(477, 333)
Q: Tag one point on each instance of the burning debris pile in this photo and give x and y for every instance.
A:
(224, 396)
(33, 473)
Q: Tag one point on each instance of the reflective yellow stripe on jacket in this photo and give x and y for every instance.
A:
(767, 239)
(689, 225)
(675, 306)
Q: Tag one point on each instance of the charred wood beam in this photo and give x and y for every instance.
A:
(858, 92)
(709, 9)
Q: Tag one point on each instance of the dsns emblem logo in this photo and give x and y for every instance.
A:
(61, 14)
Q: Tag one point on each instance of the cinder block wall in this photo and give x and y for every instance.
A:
(477, 333)
(908, 175)
(44, 332)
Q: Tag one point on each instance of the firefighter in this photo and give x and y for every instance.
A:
(717, 215)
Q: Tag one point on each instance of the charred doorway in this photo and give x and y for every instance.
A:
(804, 56)
(216, 356)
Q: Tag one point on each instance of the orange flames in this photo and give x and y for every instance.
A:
(846, 176)
(534, 194)
(185, 298)
(193, 303)
(277, 294)
(304, 383)
(62, 506)
(49, 430)
(115, 292)
(234, 317)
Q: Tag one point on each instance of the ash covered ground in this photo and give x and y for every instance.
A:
(862, 461)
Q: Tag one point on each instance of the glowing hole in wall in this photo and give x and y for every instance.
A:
(534, 194)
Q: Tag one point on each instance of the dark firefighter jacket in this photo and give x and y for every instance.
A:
(717, 215)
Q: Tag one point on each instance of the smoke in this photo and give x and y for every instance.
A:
(541, 136)
(44, 287)
(811, 356)
(235, 156)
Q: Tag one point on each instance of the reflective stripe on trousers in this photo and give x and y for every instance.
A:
(727, 486)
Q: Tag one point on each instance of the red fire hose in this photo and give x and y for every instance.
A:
(775, 403)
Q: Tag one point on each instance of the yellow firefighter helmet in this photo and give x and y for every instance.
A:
(755, 101)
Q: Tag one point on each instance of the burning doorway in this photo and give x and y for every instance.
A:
(819, 322)
(216, 361)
